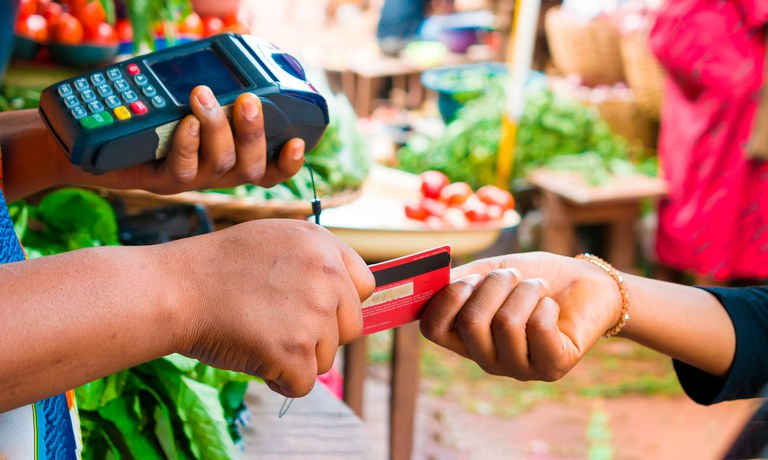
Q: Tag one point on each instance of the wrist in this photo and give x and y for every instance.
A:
(32, 159)
(610, 285)
(182, 300)
(174, 295)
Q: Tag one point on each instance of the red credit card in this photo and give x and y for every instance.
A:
(403, 288)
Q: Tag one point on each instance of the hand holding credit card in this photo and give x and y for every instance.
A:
(404, 286)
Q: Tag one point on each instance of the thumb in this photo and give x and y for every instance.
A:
(479, 267)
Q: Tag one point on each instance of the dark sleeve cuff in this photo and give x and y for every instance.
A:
(748, 310)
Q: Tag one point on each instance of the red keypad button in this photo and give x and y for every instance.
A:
(133, 69)
(139, 108)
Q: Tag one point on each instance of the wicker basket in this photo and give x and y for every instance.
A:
(227, 209)
(620, 111)
(644, 73)
(626, 119)
(590, 49)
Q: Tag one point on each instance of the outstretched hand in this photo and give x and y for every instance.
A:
(528, 316)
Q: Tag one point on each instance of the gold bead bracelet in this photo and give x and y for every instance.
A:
(617, 276)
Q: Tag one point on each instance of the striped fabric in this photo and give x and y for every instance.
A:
(47, 429)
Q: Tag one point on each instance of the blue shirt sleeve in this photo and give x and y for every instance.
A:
(748, 309)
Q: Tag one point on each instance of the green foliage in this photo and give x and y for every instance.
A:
(599, 435)
(144, 14)
(174, 407)
(64, 220)
(340, 161)
(553, 131)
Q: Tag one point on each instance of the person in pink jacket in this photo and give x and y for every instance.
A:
(714, 223)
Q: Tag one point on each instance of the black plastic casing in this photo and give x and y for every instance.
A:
(291, 106)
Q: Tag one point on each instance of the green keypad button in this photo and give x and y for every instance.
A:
(97, 120)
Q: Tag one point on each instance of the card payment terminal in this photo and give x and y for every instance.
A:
(125, 114)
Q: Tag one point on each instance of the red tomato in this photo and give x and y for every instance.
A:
(103, 34)
(124, 30)
(162, 27)
(68, 30)
(92, 15)
(413, 210)
(237, 28)
(51, 11)
(456, 193)
(212, 26)
(492, 195)
(76, 7)
(41, 5)
(27, 8)
(495, 212)
(232, 19)
(433, 222)
(475, 210)
(192, 25)
(454, 217)
(34, 27)
(433, 207)
(432, 182)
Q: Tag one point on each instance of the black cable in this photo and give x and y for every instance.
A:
(317, 206)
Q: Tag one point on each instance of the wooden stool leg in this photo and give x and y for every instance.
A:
(354, 375)
(559, 231)
(622, 244)
(364, 96)
(405, 387)
(349, 85)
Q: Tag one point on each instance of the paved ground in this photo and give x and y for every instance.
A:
(630, 426)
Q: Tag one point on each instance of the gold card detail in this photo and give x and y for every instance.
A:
(166, 131)
(385, 295)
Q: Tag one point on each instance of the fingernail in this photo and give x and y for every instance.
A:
(297, 152)
(206, 99)
(250, 110)
(194, 127)
(473, 279)
(544, 283)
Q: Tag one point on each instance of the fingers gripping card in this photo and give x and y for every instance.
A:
(403, 288)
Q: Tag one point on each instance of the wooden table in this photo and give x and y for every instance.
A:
(318, 426)
(384, 194)
(362, 76)
(568, 201)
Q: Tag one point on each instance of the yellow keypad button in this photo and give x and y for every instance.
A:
(122, 113)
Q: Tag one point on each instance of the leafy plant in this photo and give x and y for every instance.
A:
(65, 220)
(145, 14)
(174, 407)
(340, 161)
(554, 131)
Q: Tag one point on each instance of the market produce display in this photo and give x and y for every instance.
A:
(174, 407)
(91, 32)
(551, 131)
(455, 205)
(340, 162)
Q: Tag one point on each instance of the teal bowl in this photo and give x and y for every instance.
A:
(25, 48)
(82, 55)
(455, 85)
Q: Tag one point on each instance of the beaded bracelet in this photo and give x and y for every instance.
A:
(608, 268)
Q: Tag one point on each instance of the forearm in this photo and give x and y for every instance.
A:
(686, 323)
(32, 161)
(76, 317)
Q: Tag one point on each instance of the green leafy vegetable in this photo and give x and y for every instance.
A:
(65, 220)
(174, 407)
(553, 131)
(340, 161)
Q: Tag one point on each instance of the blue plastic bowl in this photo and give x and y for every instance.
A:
(455, 85)
(453, 91)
